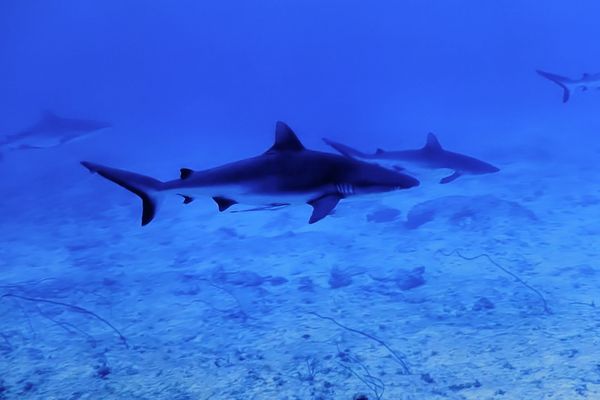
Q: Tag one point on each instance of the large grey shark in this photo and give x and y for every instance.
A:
(51, 130)
(285, 174)
(586, 82)
(431, 156)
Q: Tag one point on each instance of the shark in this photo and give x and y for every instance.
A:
(430, 156)
(287, 173)
(51, 130)
(586, 82)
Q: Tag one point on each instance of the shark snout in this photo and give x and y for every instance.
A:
(480, 168)
(103, 125)
(402, 182)
(408, 182)
(397, 182)
(490, 169)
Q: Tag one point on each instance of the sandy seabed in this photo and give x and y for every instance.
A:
(481, 289)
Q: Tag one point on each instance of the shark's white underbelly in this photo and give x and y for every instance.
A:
(33, 143)
(249, 195)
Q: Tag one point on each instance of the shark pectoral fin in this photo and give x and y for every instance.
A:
(186, 199)
(451, 178)
(223, 202)
(323, 206)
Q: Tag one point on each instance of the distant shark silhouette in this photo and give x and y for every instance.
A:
(431, 156)
(51, 131)
(587, 81)
(285, 174)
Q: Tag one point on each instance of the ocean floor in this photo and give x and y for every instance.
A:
(486, 288)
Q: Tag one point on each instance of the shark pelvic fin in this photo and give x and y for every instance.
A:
(145, 187)
(323, 206)
(285, 139)
(185, 173)
(432, 143)
(186, 199)
(223, 202)
(451, 178)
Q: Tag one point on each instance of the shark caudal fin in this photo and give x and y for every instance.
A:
(145, 187)
(560, 81)
(345, 150)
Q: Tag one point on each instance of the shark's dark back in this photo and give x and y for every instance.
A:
(50, 122)
(286, 170)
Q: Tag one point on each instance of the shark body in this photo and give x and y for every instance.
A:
(431, 156)
(285, 174)
(586, 82)
(51, 130)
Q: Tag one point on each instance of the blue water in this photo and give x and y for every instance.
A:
(482, 288)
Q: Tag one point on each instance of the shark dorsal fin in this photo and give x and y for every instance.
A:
(185, 173)
(285, 139)
(433, 143)
(379, 151)
(586, 75)
(48, 115)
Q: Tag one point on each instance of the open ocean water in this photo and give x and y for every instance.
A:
(480, 282)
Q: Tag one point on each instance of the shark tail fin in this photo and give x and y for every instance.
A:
(560, 81)
(345, 150)
(145, 187)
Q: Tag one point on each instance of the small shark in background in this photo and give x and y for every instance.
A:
(51, 131)
(431, 156)
(285, 174)
(587, 81)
